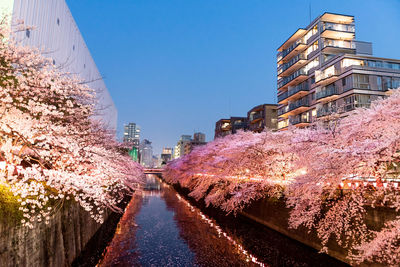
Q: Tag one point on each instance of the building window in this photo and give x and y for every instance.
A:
(396, 83)
(344, 81)
(28, 33)
(387, 83)
(379, 82)
(361, 81)
(58, 21)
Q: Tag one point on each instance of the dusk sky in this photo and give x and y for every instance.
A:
(176, 67)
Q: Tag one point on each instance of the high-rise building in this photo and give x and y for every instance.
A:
(58, 36)
(132, 133)
(179, 150)
(322, 70)
(146, 153)
(263, 117)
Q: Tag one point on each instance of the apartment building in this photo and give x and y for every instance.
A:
(224, 127)
(322, 69)
(261, 117)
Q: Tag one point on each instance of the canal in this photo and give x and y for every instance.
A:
(161, 228)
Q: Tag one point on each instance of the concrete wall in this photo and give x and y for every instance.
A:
(274, 214)
(55, 244)
(58, 36)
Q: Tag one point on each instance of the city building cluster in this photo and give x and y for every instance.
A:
(258, 118)
(321, 70)
(140, 151)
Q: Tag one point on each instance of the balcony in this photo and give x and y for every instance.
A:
(327, 93)
(254, 117)
(282, 98)
(352, 106)
(326, 76)
(338, 46)
(321, 112)
(291, 51)
(283, 110)
(296, 77)
(338, 31)
(294, 108)
(299, 120)
(295, 63)
(298, 91)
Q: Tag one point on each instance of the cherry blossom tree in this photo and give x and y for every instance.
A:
(330, 177)
(51, 147)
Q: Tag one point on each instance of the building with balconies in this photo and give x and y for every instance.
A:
(323, 70)
(262, 116)
(224, 127)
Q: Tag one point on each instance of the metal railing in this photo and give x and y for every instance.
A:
(327, 91)
(299, 119)
(299, 103)
(282, 96)
(285, 80)
(287, 51)
(298, 88)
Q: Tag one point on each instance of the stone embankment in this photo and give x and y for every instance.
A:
(69, 235)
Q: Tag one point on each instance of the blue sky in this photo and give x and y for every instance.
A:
(177, 66)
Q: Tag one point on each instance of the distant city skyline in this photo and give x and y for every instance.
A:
(176, 67)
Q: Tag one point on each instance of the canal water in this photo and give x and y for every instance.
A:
(161, 228)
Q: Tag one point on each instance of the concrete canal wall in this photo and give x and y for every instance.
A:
(55, 244)
(274, 214)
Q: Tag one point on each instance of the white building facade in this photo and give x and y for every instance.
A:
(57, 35)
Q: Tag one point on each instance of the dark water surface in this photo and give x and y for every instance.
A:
(160, 228)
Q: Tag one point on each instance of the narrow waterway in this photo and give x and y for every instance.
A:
(161, 228)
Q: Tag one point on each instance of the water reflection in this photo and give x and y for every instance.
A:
(160, 228)
(165, 230)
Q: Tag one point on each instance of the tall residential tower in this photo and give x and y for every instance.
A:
(322, 70)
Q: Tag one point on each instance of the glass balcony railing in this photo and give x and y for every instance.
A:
(287, 51)
(282, 96)
(285, 80)
(327, 91)
(339, 44)
(325, 111)
(338, 27)
(352, 106)
(255, 116)
(283, 110)
(299, 103)
(299, 119)
(301, 87)
(325, 74)
(293, 61)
